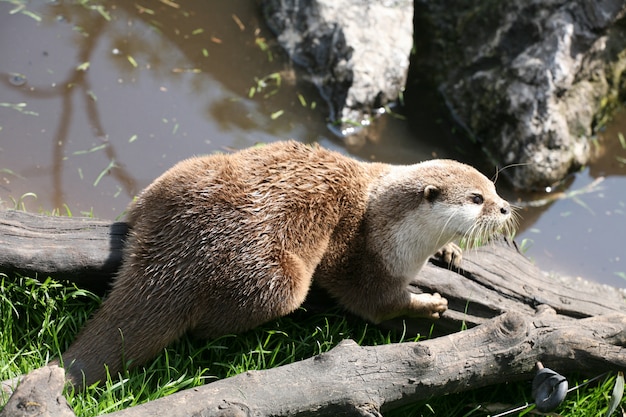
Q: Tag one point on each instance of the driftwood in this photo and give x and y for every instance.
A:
(516, 314)
(82, 250)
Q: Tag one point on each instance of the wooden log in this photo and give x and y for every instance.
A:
(39, 394)
(369, 380)
(82, 250)
(497, 278)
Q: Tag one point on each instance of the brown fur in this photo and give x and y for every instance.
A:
(223, 243)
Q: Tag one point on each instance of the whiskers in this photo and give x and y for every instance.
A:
(486, 228)
(494, 179)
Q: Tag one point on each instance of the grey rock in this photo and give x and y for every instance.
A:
(356, 51)
(529, 79)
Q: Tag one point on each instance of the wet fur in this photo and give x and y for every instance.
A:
(223, 243)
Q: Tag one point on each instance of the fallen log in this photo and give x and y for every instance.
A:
(369, 380)
(516, 314)
(77, 249)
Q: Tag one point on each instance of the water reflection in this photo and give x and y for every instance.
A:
(179, 62)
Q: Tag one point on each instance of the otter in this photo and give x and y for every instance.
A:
(220, 244)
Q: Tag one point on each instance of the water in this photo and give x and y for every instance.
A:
(582, 233)
(96, 102)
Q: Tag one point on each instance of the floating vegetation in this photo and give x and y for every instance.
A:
(262, 84)
(170, 3)
(302, 100)
(277, 114)
(190, 70)
(622, 141)
(104, 172)
(94, 149)
(100, 9)
(262, 44)
(21, 107)
(132, 61)
(21, 8)
(238, 21)
(145, 10)
(11, 172)
(83, 67)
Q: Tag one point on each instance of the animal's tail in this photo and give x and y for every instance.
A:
(121, 338)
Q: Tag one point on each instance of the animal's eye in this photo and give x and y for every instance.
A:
(477, 199)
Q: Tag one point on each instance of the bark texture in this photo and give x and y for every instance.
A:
(82, 250)
(368, 380)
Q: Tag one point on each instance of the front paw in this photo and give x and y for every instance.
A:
(450, 254)
(428, 305)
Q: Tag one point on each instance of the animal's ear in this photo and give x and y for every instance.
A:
(431, 193)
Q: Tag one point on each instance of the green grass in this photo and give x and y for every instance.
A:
(38, 319)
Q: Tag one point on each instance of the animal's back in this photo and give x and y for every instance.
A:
(228, 225)
(220, 244)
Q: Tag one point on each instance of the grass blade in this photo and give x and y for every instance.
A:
(617, 394)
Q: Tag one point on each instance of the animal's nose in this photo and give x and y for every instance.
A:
(505, 209)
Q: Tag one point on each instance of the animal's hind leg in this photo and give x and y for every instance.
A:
(298, 275)
(280, 291)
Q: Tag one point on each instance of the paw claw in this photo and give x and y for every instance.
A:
(450, 254)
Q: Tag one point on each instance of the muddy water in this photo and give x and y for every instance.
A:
(95, 102)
